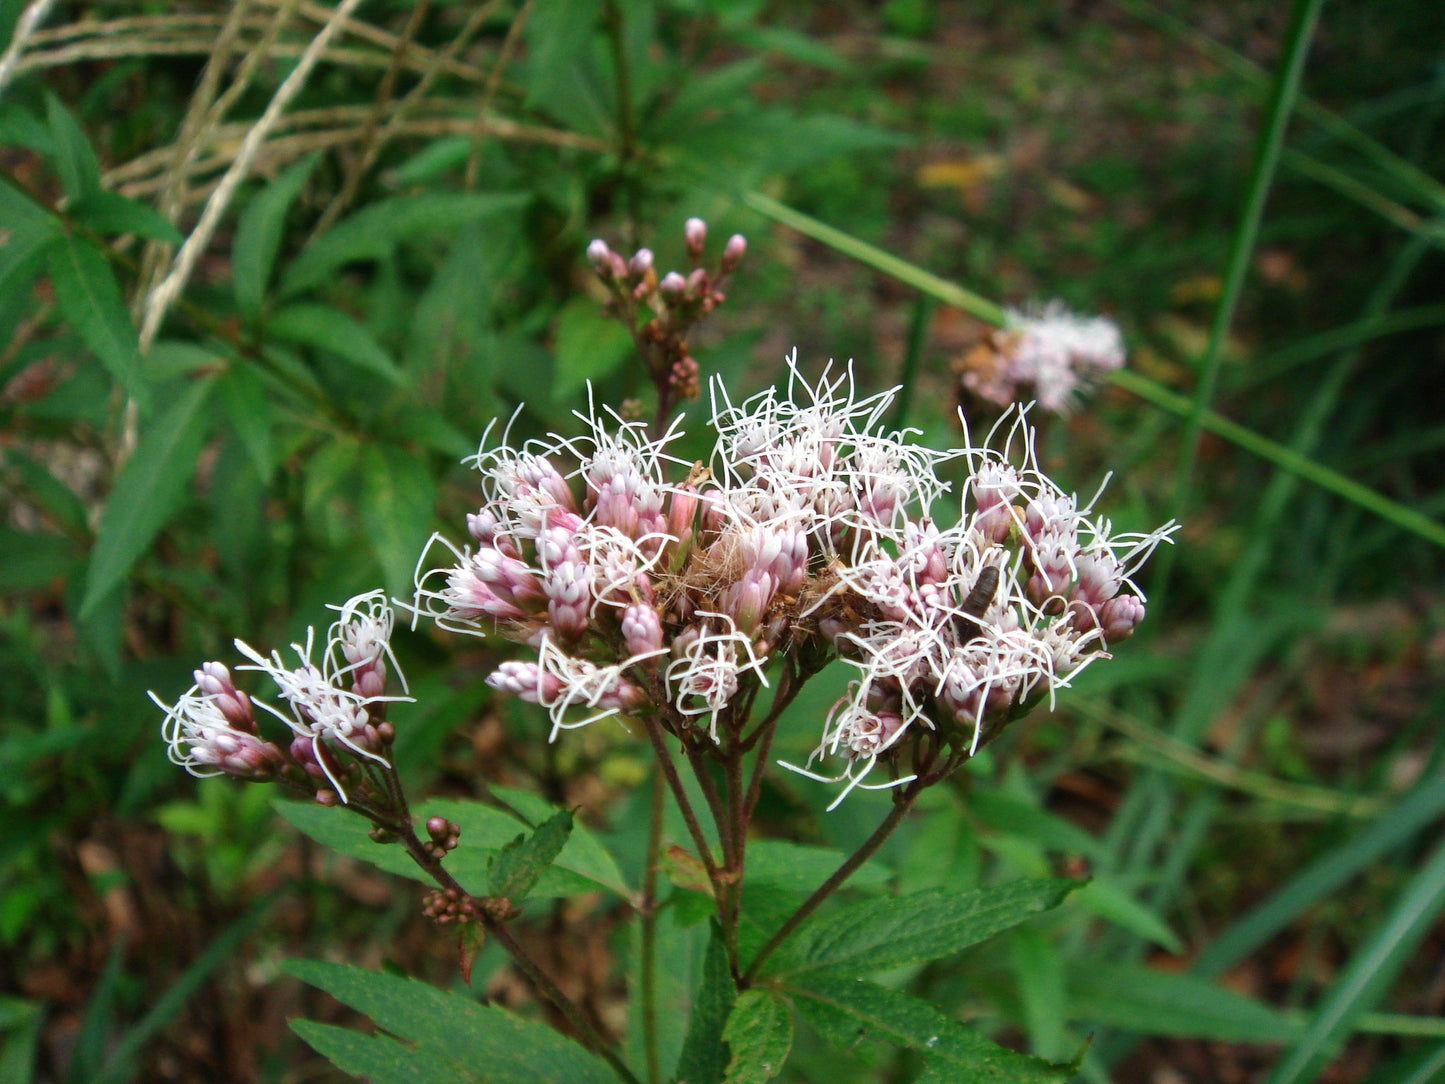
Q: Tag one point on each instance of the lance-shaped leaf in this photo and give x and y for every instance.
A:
(520, 864)
(759, 1033)
(704, 1058)
(846, 1013)
(146, 491)
(90, 299)
(878, 934)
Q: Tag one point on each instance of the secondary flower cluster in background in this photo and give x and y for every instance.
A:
(1044, 353)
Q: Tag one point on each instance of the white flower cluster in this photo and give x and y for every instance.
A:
(809, 533)
(1044, 352)
(334, 706)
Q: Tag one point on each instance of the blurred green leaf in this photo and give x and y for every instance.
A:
(1038, 968)
(589, 346)
(398, 500)
(877, 935)
(375, 230)
(792, 44)
(1154, 1002)
(1105, 897)
(453, 1039)
(759, 1034)
(49, 493)
(250, 412)
(704, 1058)
(333, 331)
(519, 865)
(75, 159)
(258, 235)
(559, 43)
(147, 491)
(20, 1023)
(33, 558)
(88, 297)
(111, 213)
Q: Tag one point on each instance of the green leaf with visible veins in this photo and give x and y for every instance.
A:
(520, 864)
(704, 1057)
(454, 1040)
(845, 1013)
(879, 934)
(90, 299)
(759, 1033)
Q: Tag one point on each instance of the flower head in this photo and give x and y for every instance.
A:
(651, 587)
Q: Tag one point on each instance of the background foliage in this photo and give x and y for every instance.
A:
(395, 257)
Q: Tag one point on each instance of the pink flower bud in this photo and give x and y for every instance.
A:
(672, 287)
(599, 255)
(215, 684)
(641, 629)
(641, 262)
(1119, 616)
(694, 232)
(526, 681)
(733, 252)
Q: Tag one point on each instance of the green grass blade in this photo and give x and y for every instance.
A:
(1392, 828)
(1369, 974)
(1407, 519)
(1246, 233)
(950, 293)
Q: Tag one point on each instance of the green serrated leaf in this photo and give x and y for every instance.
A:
(589, 346)
(146, 491)
(800, 867)
(397, 496)
(759, 1033)
(111, 213)
(375, 230)
(485, 831)
(520, 864)
(259, 232)
(75, 159)
(704, 1057)
(90, 299)
(379, 1059)
(484, 1042)
(876, 935)
(324, 328)
(846, 1013)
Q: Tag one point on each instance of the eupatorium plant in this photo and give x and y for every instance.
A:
(690, 602)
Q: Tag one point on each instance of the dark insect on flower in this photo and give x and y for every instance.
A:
(976, 603)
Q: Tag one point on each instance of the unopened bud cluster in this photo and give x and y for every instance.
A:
(1044, 353)
(675, 301)
(650, 587)
(335, 707)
